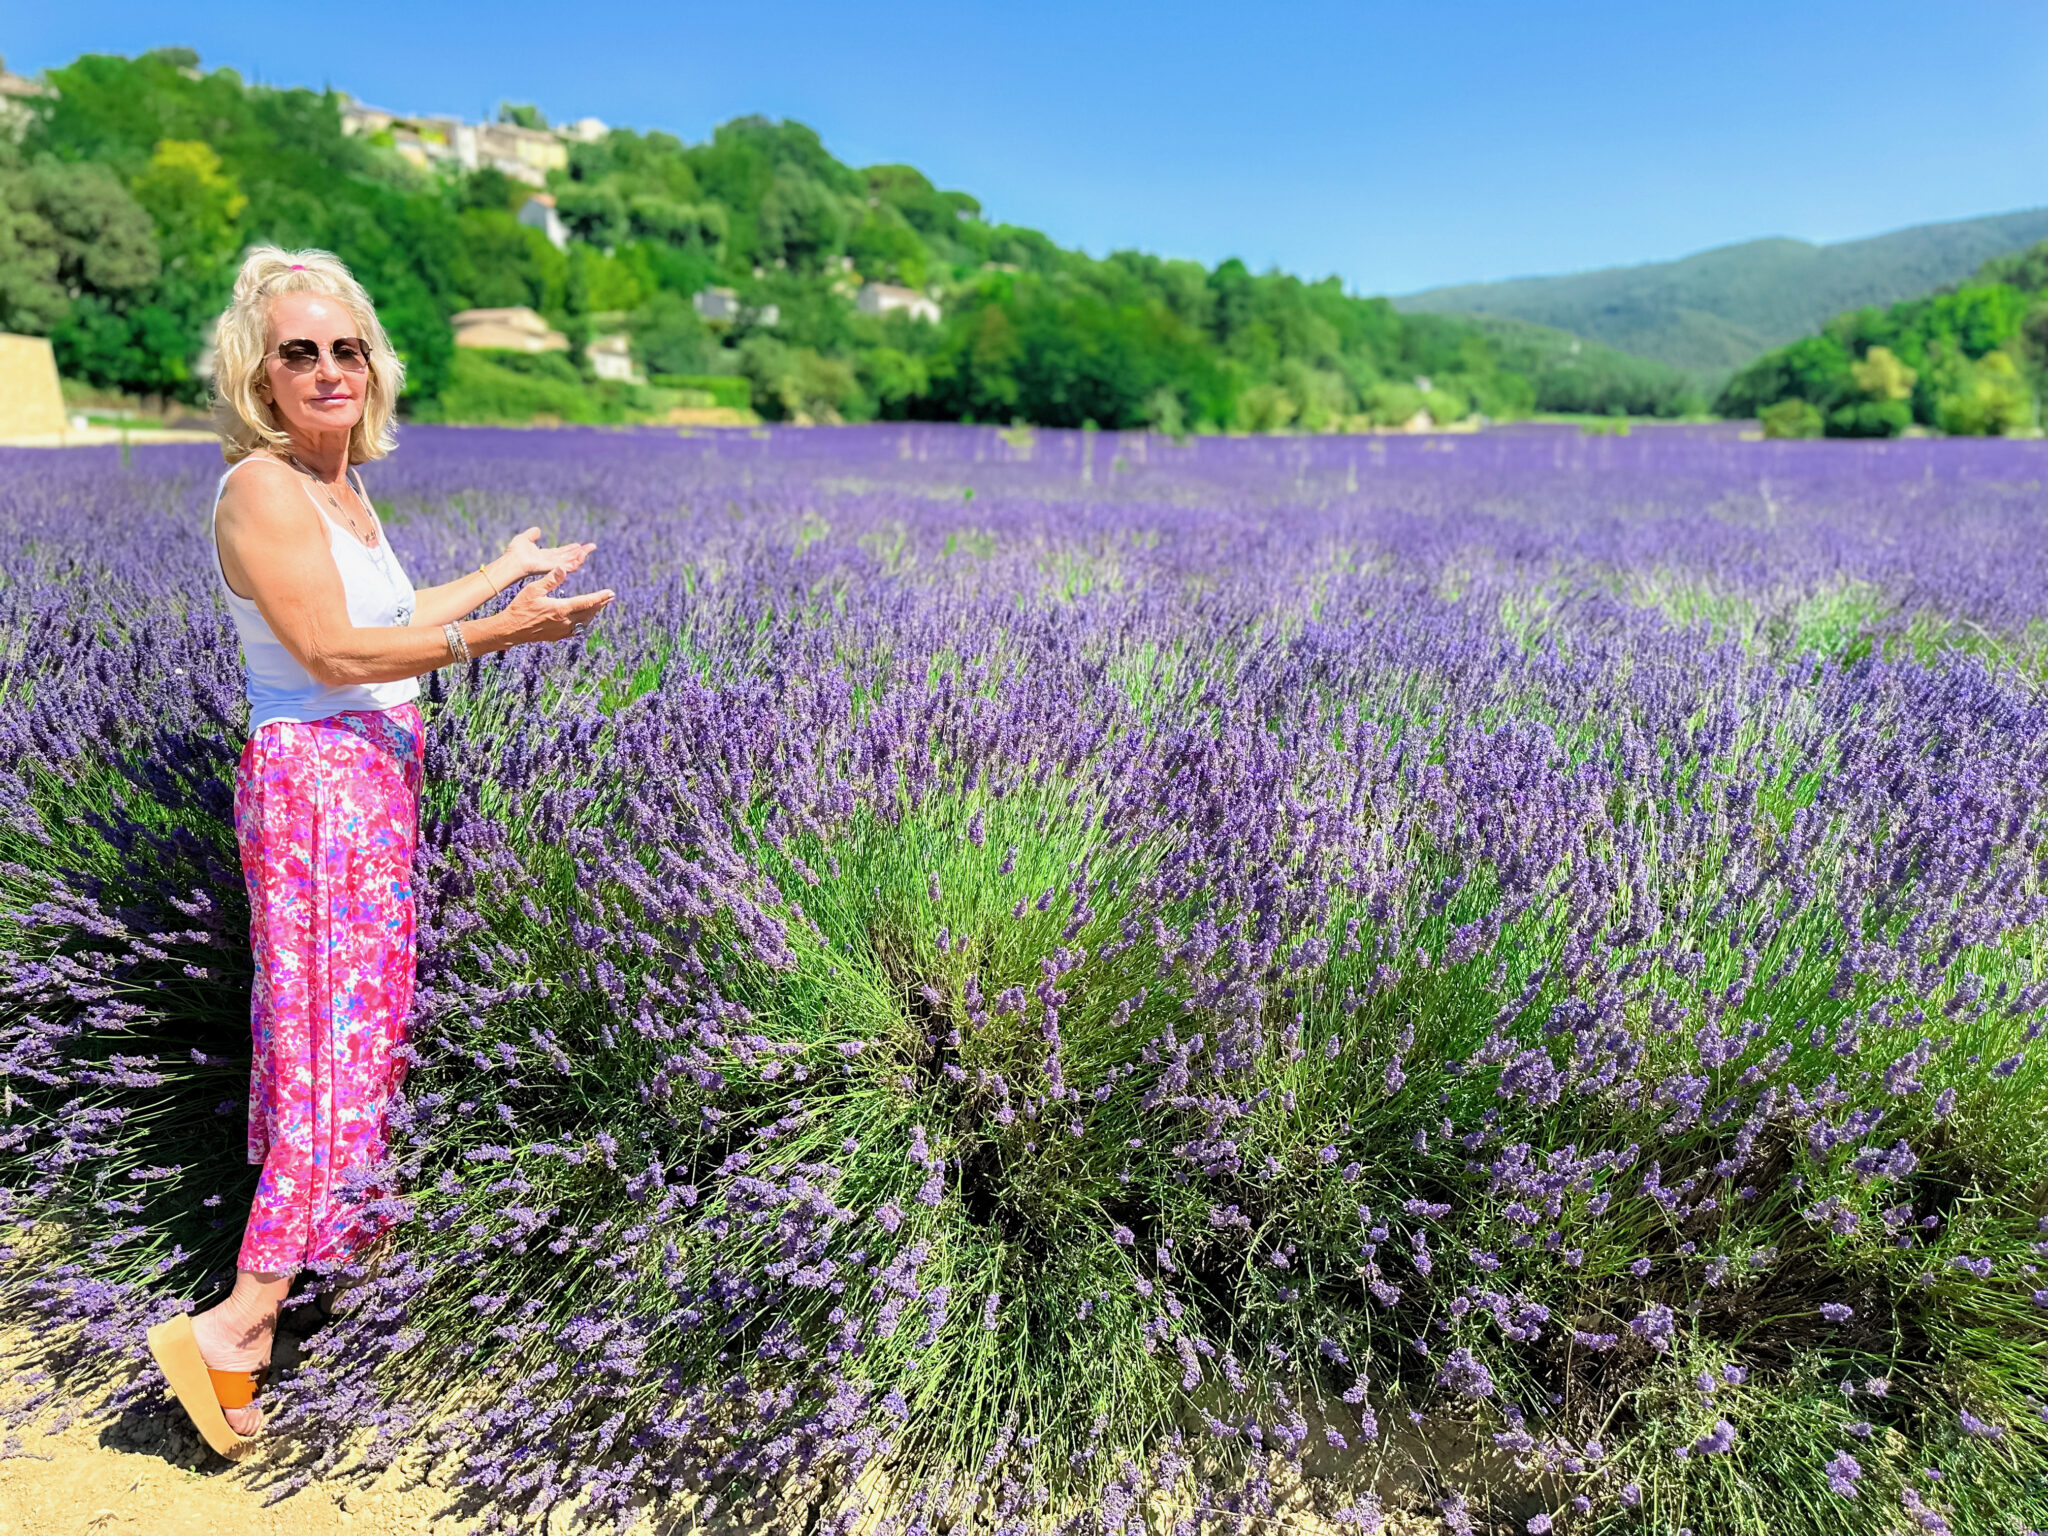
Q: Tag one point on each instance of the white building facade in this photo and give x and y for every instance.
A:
(538, 212)
(885, 298)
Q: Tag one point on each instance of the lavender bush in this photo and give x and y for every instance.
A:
(1069, 982)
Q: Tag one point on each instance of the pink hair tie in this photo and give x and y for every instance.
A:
(297, 268)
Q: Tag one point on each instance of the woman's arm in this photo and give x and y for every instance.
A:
(273, 549)
(465, 594)
(522, 557)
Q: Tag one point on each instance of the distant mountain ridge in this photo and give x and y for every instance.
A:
(1719, 309)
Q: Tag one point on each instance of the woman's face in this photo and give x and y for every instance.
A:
(325, 398)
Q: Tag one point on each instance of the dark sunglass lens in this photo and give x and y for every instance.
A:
(298, 355)
(351, 354)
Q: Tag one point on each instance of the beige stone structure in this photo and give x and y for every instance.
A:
(31, 404)
(517, 329)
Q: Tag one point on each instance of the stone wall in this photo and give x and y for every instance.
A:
(31, 404)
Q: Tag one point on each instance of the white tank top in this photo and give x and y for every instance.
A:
(380, 595)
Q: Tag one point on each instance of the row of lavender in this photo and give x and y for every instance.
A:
(1090, 980)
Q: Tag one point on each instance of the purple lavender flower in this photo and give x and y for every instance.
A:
(1320, 807)
(1716, 1442)
(1842, 1473)
(1463, 1372)
(1655, 1325)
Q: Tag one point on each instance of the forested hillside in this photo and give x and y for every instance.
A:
(1969, 359)
(135, 185)
(1718, 309)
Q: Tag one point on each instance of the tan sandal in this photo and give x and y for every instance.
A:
(202, 1391)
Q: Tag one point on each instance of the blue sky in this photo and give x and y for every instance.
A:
(1398, 146)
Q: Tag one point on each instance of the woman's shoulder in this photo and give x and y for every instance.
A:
(257, 485)
(257, 468)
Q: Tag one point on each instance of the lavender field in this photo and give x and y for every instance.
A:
(1072, 982)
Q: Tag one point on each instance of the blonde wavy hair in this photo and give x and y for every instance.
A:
(245, 419)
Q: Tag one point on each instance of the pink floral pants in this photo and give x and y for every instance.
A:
(326, 817)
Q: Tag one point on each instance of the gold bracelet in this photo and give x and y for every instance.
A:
(487, 577)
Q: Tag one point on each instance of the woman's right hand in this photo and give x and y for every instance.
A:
(534, 614)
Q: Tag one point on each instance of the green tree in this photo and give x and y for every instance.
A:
(797, 383)
(893, 380)
(600, 282)
(1265, 408)
(801, 222)
(698, 226)
(1814, 369)
(65, 230)
(1394, 404)
(1992, 400)
(1062, 356)
(1319, 395)
(884, 246)
(1792, 418)
(1166, 412)
(1869, 418)
(668, 336)
(2026, 271)
(1446, 405)
(1881, 376)
(1872, 372)
(500, 262)
(489, 187)
(596, 215)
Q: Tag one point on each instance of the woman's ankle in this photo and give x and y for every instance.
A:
(246, 1318)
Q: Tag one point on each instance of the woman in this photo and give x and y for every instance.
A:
(333, 638)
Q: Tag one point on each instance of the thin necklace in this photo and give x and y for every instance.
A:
(371, 539)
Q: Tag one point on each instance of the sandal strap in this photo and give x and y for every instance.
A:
(238, 1389)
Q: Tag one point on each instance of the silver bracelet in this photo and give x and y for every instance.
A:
(458, 648)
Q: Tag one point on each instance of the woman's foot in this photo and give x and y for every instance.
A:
(231, 1338)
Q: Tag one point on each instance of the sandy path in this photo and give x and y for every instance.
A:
(141, 1475)
(117, 1474)
(109, 1474)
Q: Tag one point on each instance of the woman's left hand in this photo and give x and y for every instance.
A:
(525, 557)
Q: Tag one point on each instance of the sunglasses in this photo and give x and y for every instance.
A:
(351, 354)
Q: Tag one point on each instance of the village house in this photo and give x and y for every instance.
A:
(518, 329)
(439, 139)
(429, 141)
(881, 298)
(524, 154)
(448, 139)
(538, 212)
(722, 306)
(16, 92)
(611, 357)
(716, 305)
(360, 118)
(585, 130)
